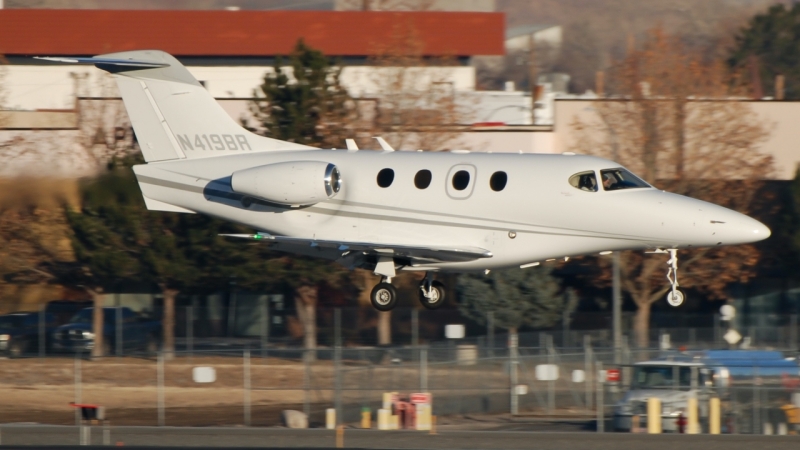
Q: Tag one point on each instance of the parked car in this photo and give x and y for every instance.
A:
(20, 332)
(137, 332)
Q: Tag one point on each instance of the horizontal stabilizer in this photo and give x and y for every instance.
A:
(103, 61)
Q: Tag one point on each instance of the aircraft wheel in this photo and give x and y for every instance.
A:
(436, 299)
(677, 299)
(383, 297)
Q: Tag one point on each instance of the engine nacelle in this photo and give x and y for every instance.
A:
(293, 183)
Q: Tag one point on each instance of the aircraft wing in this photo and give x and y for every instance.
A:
(343, 249)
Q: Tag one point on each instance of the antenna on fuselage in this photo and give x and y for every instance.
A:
(384, 145)
(351, 144)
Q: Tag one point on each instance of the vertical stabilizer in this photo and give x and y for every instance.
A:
(173, 115)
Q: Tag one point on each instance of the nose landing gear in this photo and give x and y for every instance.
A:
(675, 297)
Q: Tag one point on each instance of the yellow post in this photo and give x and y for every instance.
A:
(384, 419)
(714, 416)
(433, 425)
(653, 415)
(330, 418)
(692, 419)
(366, 418)
(340, 436)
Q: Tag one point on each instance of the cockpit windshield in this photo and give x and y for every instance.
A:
(584, 181)
(616, 179)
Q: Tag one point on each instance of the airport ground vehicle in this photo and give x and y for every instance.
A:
(20, 332)
(137, 332)
(727, 374)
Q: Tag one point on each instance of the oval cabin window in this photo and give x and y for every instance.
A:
(385, 178)
(460, 180)
(423, 179)
(498, 181)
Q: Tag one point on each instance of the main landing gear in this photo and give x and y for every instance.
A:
(384, 296)
(675, 297)
(431, 293)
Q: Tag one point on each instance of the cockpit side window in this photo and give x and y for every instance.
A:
(616, 179)
(584, 181)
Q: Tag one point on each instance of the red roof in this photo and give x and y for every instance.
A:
(244, 33)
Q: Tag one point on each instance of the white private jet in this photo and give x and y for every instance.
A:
(389, 210)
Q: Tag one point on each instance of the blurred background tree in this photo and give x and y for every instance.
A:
(308, 104)
(705, 149)
(516, 297)
(767, 47)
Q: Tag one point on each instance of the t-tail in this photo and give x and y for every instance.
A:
(172, 114)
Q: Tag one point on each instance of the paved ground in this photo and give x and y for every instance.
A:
(215, 437)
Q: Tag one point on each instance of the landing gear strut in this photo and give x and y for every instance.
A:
(675, 297)
(431, 293)
(383, 295)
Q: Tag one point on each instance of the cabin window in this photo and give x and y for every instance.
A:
(584, 181)
(498, 181)
(423, 179)
(616, 179)
(385, 178)
(461, 180)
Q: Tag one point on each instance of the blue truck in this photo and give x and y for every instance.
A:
(121, 325)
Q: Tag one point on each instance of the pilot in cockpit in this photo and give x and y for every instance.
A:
(588, 183)
(609, 181)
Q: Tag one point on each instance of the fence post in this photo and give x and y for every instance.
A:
(306, 383)
(42, 333)
(190, 330)
(512, 367)
(490, 332)
(793, 332)
(246, 364)
(160, 376)
(601, 420)
(423, 370)
(264, 326)
(337, 354)
(119, 336)
(77, 378)
(415, 328)
(587, 368)
(551, 384)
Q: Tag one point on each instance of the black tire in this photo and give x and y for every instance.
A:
(438, 296)
(383, 297)
(16, 349)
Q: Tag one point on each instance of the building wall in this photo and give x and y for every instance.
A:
(781, 118)
(53, 86)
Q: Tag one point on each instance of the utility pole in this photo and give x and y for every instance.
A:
(617, 307)
(532, 75)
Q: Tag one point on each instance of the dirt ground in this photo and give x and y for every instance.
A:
(33, 390)
(40, 390)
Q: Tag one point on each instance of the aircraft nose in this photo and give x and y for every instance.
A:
(743, 229)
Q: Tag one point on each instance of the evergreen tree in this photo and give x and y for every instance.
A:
(517, 297)
(308, 104)
(768, 46)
